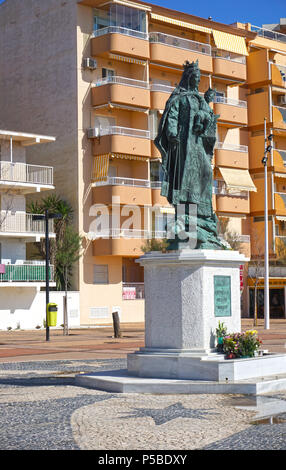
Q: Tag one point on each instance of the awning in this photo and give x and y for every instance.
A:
(130, 60)
(281, 218)
(183, 24)
(128, 157)
(100, 167)
(237, 179)
(230, 42)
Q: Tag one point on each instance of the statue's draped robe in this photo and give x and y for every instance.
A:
(186, 158)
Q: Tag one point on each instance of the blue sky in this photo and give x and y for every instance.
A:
(257, 12)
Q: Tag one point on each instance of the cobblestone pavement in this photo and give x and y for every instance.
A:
(42, 409)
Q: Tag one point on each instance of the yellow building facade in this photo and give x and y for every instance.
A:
(110, 68)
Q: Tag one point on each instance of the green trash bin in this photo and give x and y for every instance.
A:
(52, 311)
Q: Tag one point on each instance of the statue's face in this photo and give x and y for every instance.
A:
(195, 78)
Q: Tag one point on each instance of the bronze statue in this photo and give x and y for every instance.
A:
(186, 140)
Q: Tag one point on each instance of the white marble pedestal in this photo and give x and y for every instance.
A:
(186, 294)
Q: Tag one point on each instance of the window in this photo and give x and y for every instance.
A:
(106, 73)
(156, 172)
(100, 274)
(121, 16)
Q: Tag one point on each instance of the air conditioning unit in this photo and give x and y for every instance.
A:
(93, 132)
(281, 99)
(89, 63)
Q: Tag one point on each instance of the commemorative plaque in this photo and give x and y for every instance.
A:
(222, 296)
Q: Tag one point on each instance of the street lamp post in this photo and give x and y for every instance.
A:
(267, 150)
(46, 216)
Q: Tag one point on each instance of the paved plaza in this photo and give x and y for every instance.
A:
(42, 409)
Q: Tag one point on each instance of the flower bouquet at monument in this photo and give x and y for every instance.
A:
(221, 332)
(245, 344)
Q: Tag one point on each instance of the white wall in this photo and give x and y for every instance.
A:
(25, 306)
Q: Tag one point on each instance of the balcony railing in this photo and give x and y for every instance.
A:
(133, 290)
(269, 34)
(25, 173)
(120, 30)
(116, 181)
(220, 54)
(233, 147)
(117, 130)
(121, 81)
(129, 233)
(224, 191)
(156, 184)
(25, 272)
(162, 88)
(180, 43)
(20, 222)
(230, 101)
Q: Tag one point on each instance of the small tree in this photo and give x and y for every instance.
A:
(68, 253)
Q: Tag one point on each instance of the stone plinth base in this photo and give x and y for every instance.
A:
(211, 367)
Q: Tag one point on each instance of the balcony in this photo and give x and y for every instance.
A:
(279, 117)
(20, 224)
(122, 242)
(121, 90)
(280, 203)
(231, 155)
(124, 140)
(233, 113)
(167, 49)
(278, 74)
(28, 178)
(129, 190)
(230, 65)
(159, 95)
(279, 157)
(118, 40)
(27, 272)
(231, 202)
(268, 34)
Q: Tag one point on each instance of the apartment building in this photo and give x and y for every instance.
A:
(97, 75)
(266, 83)
(21, 279)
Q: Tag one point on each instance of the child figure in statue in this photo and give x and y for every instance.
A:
(186, 140)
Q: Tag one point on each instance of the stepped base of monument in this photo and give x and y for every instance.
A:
(204, 374)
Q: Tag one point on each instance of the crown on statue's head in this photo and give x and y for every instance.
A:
(191, 66)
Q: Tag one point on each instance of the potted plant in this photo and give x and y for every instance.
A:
(230, 345)
(221, 332)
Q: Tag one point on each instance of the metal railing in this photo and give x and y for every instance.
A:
(223, 190)
(233, 147)
(221, 54)
(114, 180)
(156, 184)
(25, 272)
(120, 30)
(162, 88)
(180, 43)
(268, 34)
(26, 173)
(121, 81)
(21, 222)
(117, 130)
(133, 290)
(129, 233)
(230, 101)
